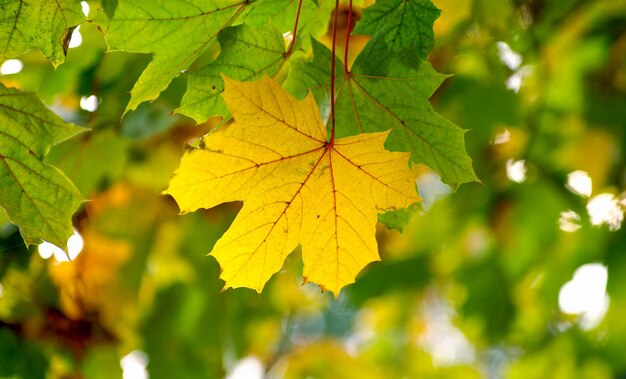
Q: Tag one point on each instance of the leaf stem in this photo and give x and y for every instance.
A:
(295, 31)
(332, 76)
(346, 71)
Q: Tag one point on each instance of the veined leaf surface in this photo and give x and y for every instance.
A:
(296, 187)
(176, 33)
(388, 91)
(247, 53)
(42, 24)
(37, 197)
(403, 23)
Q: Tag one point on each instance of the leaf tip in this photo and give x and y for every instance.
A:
(130, 107)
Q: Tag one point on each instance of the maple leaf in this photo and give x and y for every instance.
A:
(403, 23)
(314, 15)
(247, 53)
(21, 27)
(388, 90)
(176, 33)
(296, 188)
(36, 196)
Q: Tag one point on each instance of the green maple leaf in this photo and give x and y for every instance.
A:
(37, 197)
(314, 17)
(388, 90)
(42, 24)
(404, 24)
(176, 33)
(247, 53)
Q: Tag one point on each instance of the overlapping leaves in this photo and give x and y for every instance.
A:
(297, 188)
(389, 90)
(176, 33)
(384, 97)
(238, 44)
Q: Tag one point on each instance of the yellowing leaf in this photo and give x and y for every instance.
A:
(296, 188)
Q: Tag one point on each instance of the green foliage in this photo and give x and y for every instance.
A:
(402, 24)
(237, 45)
(175, 33)
(314, 15)
(470, 282)
(389, 90)
(36, 196)
(22, 27)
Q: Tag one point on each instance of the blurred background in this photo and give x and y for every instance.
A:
(520, 276)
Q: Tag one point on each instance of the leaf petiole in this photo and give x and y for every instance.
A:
(346, 71)
(295, 31)
(332, 76)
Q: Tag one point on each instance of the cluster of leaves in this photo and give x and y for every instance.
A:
(471, 288)
(385, 90)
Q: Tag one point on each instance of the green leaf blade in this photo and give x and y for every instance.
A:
(247, 53)
(21, 27)
(175, 33)
(37, 197)
(404, 24)
(314, 17)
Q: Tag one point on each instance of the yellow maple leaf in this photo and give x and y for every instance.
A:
(296, 188)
